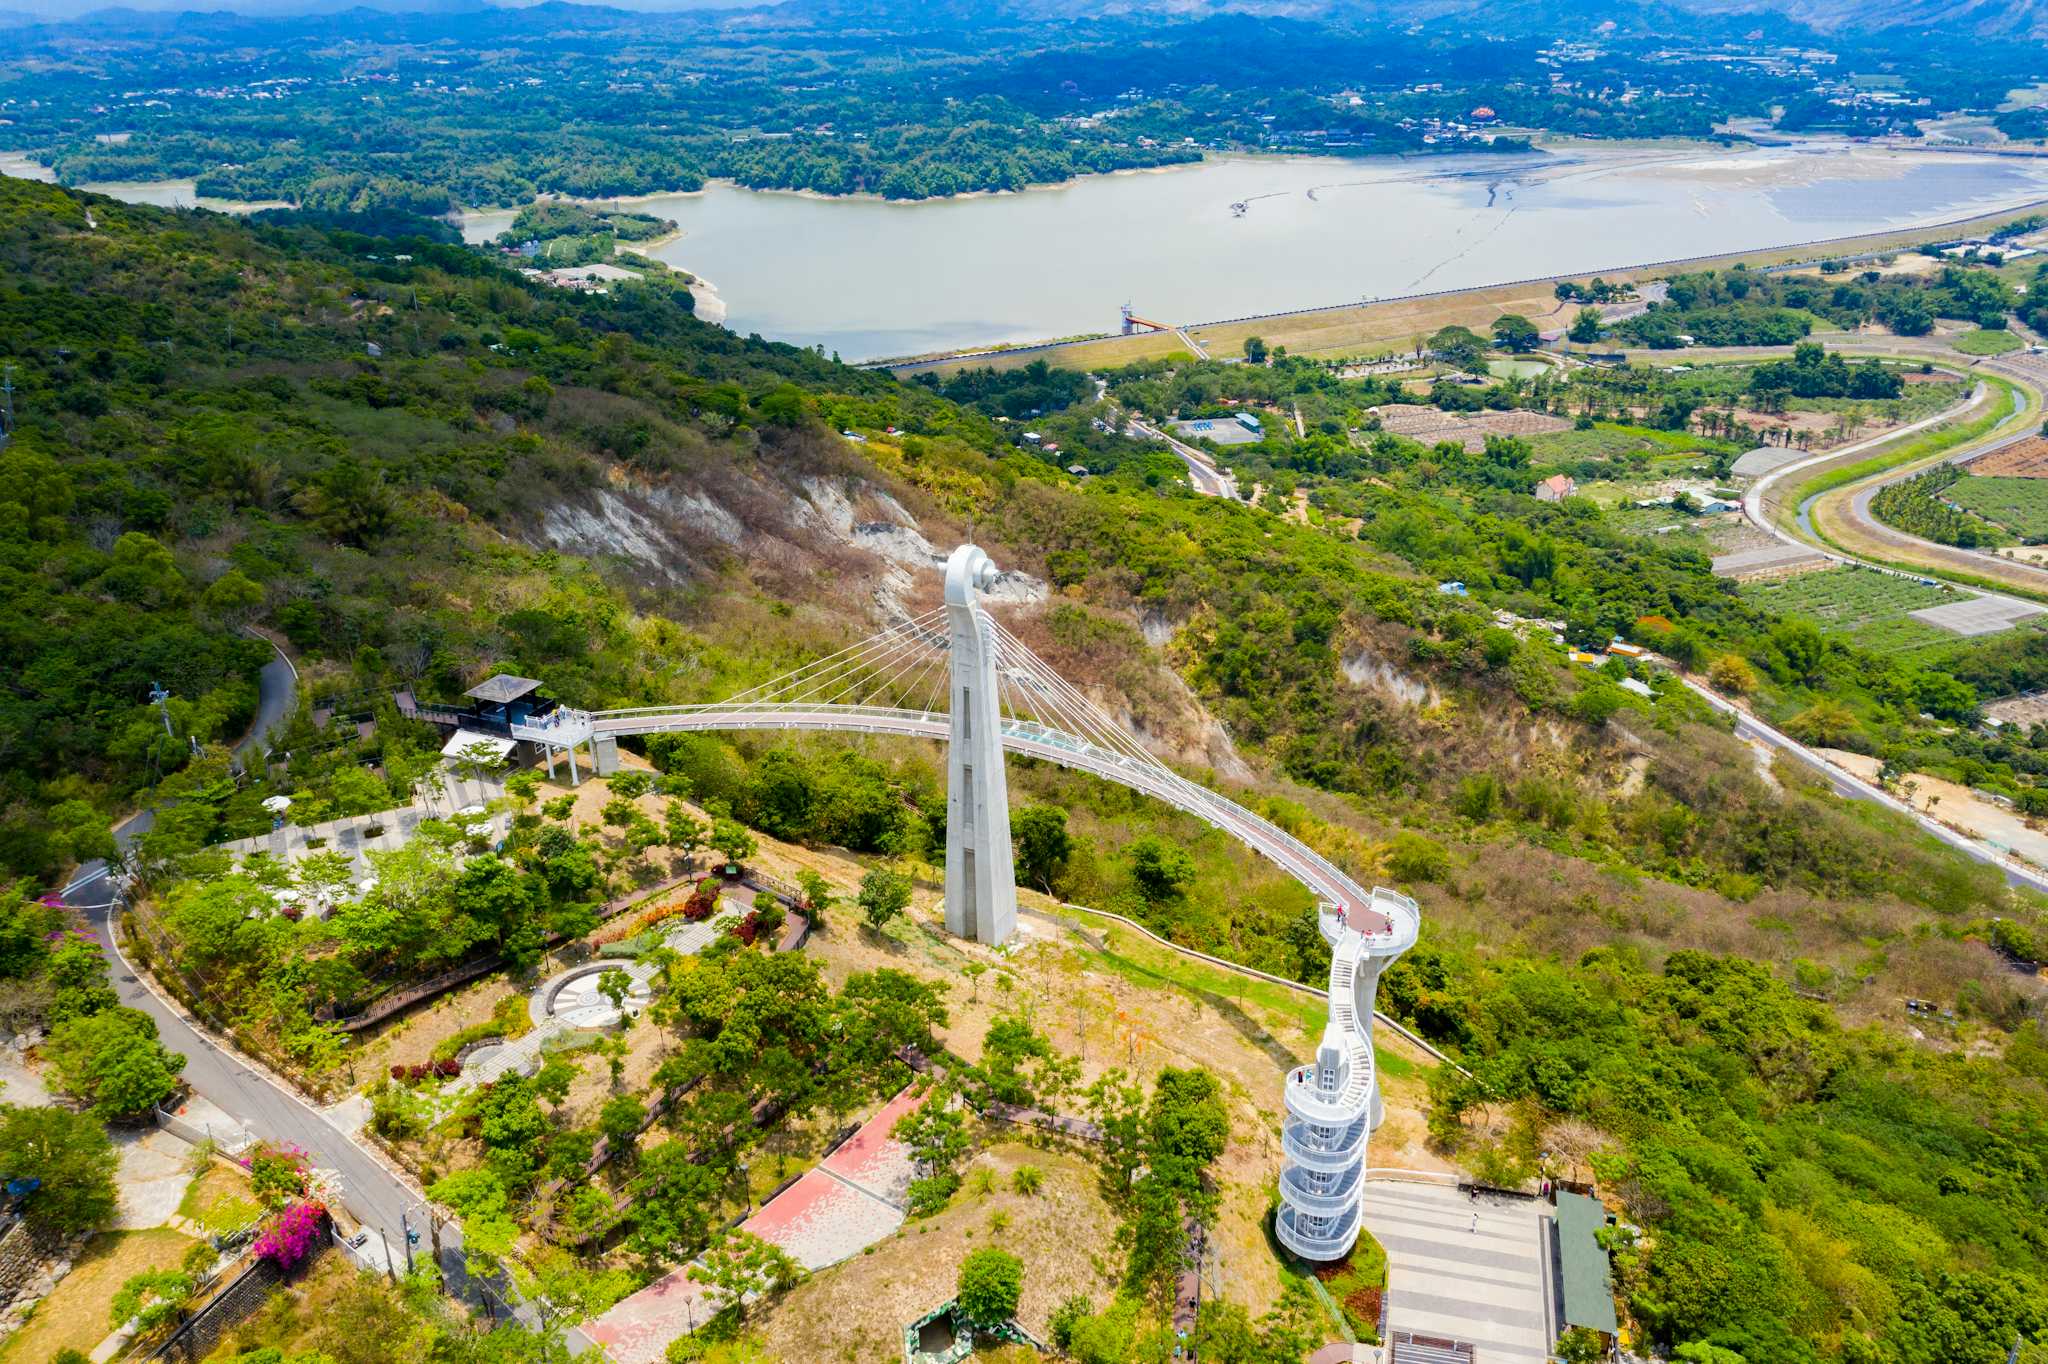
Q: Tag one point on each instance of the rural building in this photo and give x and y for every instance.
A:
(1556, 488)
(1586, 1276)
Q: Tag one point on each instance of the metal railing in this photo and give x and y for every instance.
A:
(1034, 739)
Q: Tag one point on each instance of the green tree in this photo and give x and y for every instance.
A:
(730, 837)
(1586, 327)
(1163, 871)
(1513, 332)
(1458, 346)
(234, 598)
(619, 1123)
(673, 1198)
(685, 832)
(25, 929)
(616, 986)
(1827, 723)
(512, 1126)
(113, 1061)
(70, 1155)
(936, 1133)
(884, 895)
(479, 1198)
(1581, 1346)
(1254, 350)
(1039, 835)
(817, 895)
(991, 1281)
(153, 1298)
(740, 1266)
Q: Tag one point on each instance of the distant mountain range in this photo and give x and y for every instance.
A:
(2020, 20)
(20, 12)
(1979, 18)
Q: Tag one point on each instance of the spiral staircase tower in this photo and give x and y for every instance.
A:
(1333, 1103)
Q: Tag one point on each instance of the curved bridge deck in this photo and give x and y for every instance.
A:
(1331, 886)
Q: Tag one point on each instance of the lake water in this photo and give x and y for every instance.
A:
(870, 279)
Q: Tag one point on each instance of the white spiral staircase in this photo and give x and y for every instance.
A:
(1333, 1104)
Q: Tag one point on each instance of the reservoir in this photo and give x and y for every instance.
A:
(870, 279)
(1234, 236)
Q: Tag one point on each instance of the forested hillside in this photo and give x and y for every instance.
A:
(415, 468)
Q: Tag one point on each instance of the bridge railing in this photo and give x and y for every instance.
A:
(633, 720)
(1036, 739)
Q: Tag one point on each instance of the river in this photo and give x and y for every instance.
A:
(869, 279)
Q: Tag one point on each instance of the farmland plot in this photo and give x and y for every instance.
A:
(1868, 607)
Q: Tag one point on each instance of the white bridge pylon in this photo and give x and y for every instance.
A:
(955, 673)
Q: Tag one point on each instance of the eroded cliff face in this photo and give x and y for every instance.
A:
(848, 539)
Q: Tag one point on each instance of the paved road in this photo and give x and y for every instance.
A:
(374, 1193)
(277, 696)
(1853, 787)
(1206, 477)
(1844, 782)
(2028, 371)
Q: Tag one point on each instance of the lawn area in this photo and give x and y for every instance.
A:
(1867, 606)
(1987, 342)
(74, 1316)
(220, 1201)
(2018, 504)
(1358, 1284)
(309, 1314)
(1612, 441)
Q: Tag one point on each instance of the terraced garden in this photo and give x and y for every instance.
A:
(1867, 606)
(2018, 504)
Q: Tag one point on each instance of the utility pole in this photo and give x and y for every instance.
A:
(6, 406)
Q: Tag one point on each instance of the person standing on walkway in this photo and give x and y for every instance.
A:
(1475, 1223)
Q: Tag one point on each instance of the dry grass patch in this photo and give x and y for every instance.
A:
(411, 1037)
(74, 1316)
(219, 1199)
(855, 1311)
(333, 1306)
(1142, 1007)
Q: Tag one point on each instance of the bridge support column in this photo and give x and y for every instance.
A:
(981, 884)
(604, 754)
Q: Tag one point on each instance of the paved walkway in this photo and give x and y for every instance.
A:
(360, 835)
(1484, 1287)
(578, 1005)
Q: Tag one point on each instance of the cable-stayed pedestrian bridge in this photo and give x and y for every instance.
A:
(1026, 738)
(956, 673)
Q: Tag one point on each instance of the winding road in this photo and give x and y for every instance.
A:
(2031, 374)
(1208, 480)
(380, 1197)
